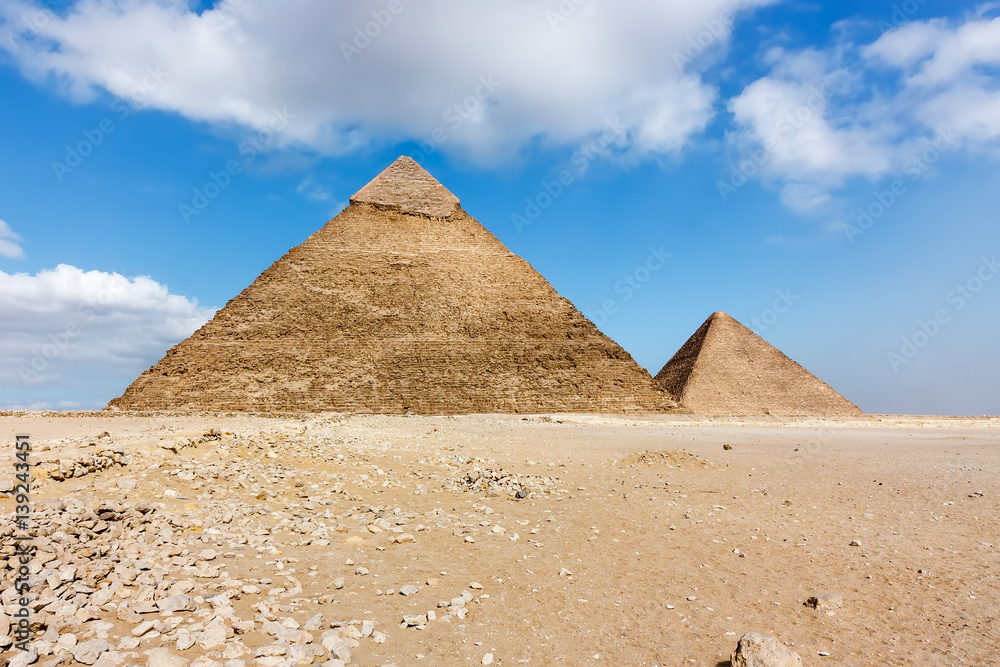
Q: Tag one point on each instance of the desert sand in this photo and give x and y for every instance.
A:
(639, 541)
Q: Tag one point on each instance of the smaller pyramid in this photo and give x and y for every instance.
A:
(727, 369)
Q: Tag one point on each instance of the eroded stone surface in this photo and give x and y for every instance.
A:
(407, 187)
(755, 650)
(387, 312)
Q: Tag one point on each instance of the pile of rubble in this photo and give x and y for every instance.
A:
(667, 459)
(496, 482)
(78, 466)
(121, 561)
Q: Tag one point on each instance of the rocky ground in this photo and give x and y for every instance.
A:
(267, 542)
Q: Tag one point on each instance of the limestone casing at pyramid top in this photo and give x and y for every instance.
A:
(407, 187)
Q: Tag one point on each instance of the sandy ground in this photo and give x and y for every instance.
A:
(662, 559)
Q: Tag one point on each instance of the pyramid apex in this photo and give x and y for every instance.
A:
(406, 186)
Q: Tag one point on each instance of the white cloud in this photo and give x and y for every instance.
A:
(804, 198)
(937, 53)
(10, 243)
(949, 73)
(312, 191)
(534, 78)
(826, 117)
(791, 115)
(66, 333)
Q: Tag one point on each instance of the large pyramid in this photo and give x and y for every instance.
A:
(726, 369)
(403, 302)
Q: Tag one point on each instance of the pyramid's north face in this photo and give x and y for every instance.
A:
(401, 302)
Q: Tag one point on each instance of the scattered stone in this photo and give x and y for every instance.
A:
(175, 603)
(301, 654)
(142, 628)
(415, 620)
(162, 657)
(25, 658)
(213, 635)
(89, 651)
(495, 482)
(108, 659)
(825, 601)
(408, 589)
(339, 648)
(80, 465)
(128, 644)
(756, 650)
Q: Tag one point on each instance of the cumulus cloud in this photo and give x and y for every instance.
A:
(493, 77)
(822, 118)
(65, 331)
(949, 72)
(10, 243)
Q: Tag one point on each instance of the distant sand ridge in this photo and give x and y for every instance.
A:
(405, 303)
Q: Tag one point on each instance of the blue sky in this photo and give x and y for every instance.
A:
(836, 162)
